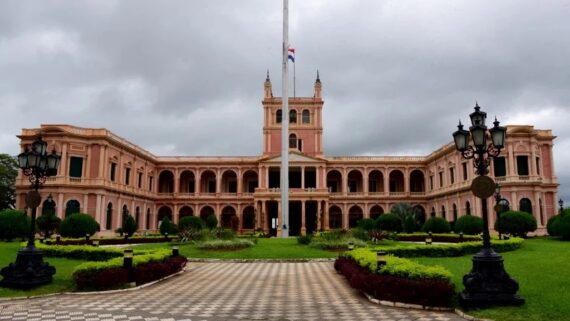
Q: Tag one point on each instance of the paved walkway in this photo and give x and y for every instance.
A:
(224, 291)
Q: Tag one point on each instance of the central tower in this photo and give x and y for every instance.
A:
(305, 122)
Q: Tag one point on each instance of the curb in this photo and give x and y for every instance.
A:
(421, 307)
(142, 286)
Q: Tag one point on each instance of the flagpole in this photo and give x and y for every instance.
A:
(285, 126)
(294, 76)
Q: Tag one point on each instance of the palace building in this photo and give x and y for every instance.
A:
(107, 176)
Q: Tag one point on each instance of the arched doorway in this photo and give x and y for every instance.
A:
(376, 211)
(229, 218)
(417, 181)
(164, 212)
(335, 217)
(396, 181)
(355, 181)
(166, 182)
(375, 182)
(187, 180)
(355, 214)
(185, 211)
(206, 211)
(248, 221)
(229, 182)
(208, 182)
(334, 181)
(109, 221)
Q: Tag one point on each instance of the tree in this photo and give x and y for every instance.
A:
(389, 222)
(516, 223)
(436, 225)
(48, 223)
(211, 221)
(190, 223)
(13, 224)
(8, 174)
(167, 227)
(469, 224)
(129, 226)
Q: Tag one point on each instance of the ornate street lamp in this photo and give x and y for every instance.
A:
(501, 205)
(30, 270)
(561, 203)
(488, 283)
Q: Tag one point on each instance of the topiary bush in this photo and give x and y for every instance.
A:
(389, 222)
(129, 226)
(167, 227)
(78, 225)
(550, 225)
(436, 225)
(13, 224)
(211, 221)
(516, 223)
(304, 239)
(469, 224)
(410, 225)
(561, 227)
(190, 223)
(367, 224)
(48, 224)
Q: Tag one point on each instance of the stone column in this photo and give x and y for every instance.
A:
(279, 216)
(239, 184)
(345, 216)
(60, 206)
(511, 158)
(326, 216)
(319, 218)
(303, 218)
(303, 177)
(386, 182)
(197, 182)
(263, 216)
(176, 181)
(407, 180)
(344, 182)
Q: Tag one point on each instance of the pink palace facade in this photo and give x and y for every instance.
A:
(106, 176)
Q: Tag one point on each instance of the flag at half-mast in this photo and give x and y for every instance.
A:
(291, 54)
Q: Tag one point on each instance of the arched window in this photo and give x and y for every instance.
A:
(454, 212)
(292, 141)
(468, 208)
(525, 205)
(148, 218)
(306, 117)
(138, 217)
(109, 222)
(48, 207)
(72, 207)
(433, 212)
(125, 212)
(293, 116)
(279, 116)
(443, 211)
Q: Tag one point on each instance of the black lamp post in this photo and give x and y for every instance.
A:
(488, 283)
(561, 203)
(501, 205)
(30, 270)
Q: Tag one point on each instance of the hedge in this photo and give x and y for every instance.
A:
(78, 225)
(235, 244)
(452, 250)
(441, 237)
(335, 244)
(81, 252)
(396, 266)
(425, 292)
(91, 267)
(113, 240)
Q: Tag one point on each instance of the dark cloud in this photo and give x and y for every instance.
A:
(185, 77)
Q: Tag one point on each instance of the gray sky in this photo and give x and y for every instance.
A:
(186, 77)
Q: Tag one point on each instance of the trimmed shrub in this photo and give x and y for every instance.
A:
(190, 223)
(336, 244)
(304, 239)
(80, 252)
(516, 223)
(360, 234)
(550, 225)
(367, 224)
(443, 238)
(410, 225)
(235, 244)
(78, 225)
(129, 226)
(436, 225)
(167, 227)
(223, 233)
(469, 224)
(48, 224)
(13, 224)
(561, 227)
(389, 222)
(211, 221)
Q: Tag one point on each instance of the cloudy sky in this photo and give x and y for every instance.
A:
(186, 77)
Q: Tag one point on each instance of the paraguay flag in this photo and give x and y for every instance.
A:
(291, 54)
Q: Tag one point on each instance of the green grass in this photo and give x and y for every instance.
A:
(273, 248)
(542, 268)
(62, 281)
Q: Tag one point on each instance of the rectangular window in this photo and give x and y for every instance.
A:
(538, 166)
(139, 180)
(452, 175)
(500, 165)
(440, 179)
(113, 171)
(127, 176)
(300, 144)
(522, 165)
(464, 165)
(75, 166)
(431, 182)
(150, 183)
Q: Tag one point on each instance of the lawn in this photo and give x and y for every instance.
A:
(542, 268)
(273, 248)
(61, 280)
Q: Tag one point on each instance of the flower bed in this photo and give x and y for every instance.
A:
(111, 274)
(452, 250)
(443, 238)
(113, 240)
(422, 291)
(235, 244)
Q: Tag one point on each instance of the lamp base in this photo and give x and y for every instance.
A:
(488, 283)
(29, 271)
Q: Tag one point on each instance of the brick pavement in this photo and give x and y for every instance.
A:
(224, 291)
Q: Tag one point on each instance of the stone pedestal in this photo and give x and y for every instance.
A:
(29, 270)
